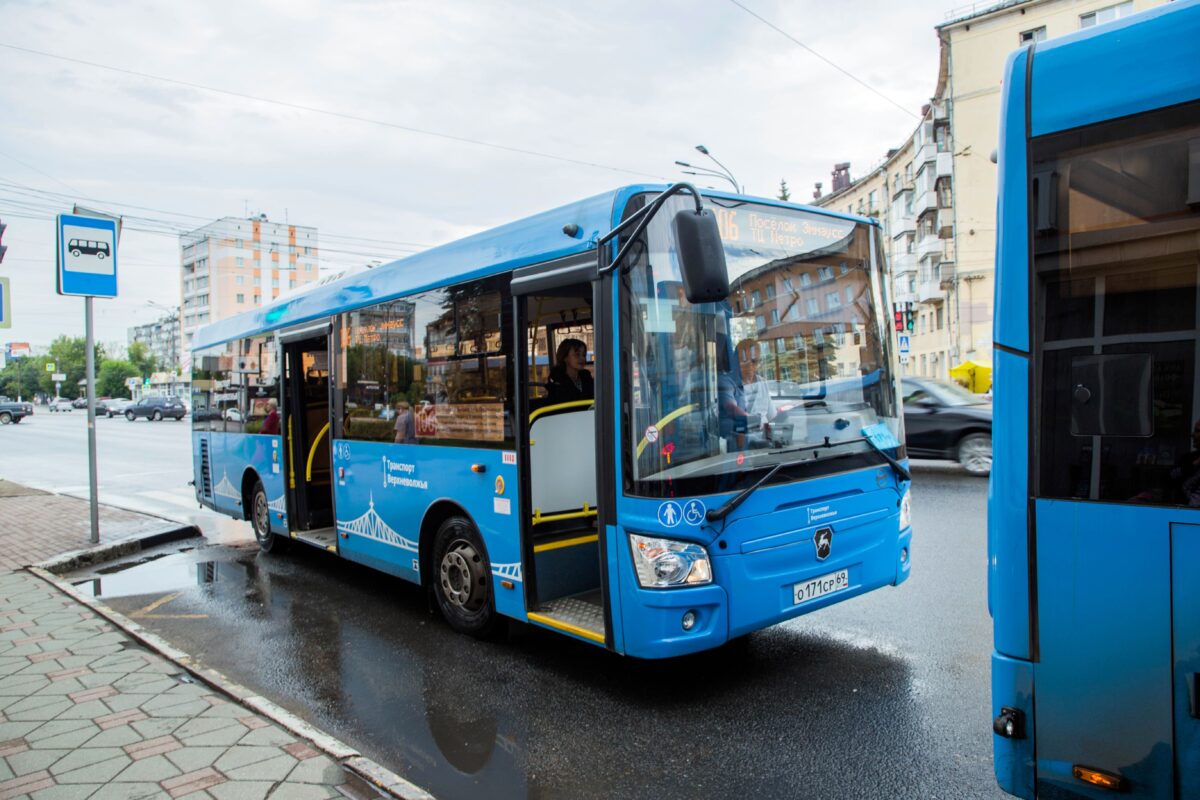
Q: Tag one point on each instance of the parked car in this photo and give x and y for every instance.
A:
(155, 408)
(14, 412)
(61, 404)
(113, 406)
(944, 421)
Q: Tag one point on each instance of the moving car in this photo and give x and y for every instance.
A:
(79, 402)
(113, 406)
(155, 408)
(61, 404)
(14, 412)
(944, 421)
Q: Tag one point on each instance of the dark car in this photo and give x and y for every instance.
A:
(156, 408)
(112, 406)
(79, 402)
(14, 412)
(943, 420)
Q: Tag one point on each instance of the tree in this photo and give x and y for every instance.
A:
(140, 356)
(69, 353)
(111, 380)
(784, 194)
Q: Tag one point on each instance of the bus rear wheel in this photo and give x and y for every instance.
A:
(462, 581)
(260, 519)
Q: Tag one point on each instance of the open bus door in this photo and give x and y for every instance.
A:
(306, 428)
(562, 543)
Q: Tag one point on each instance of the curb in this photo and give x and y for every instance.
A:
(350, 759)
(106, 552)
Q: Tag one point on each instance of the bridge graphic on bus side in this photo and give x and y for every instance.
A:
(278, 505)
(372, 526)
(226, 489)
(510, 571)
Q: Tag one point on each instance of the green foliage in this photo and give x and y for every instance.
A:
(69, 353)
(21, 377)
(140, 356)
(784, 194)
(111, 380)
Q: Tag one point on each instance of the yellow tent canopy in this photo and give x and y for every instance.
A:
(977, 377)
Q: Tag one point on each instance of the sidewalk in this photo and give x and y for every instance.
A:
(86, 711)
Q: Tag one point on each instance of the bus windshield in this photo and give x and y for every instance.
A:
(797, 355)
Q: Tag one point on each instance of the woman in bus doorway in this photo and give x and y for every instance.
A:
(570, 379)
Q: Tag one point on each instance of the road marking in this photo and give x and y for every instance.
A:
(145, 613)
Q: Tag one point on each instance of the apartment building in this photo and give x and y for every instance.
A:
(940, 210)
(233, 265)
(161, 338)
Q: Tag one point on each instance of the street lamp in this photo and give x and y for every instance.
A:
(725, 171)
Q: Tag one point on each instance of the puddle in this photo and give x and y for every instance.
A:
(154, 574)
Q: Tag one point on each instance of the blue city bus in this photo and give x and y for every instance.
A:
(405, 418)
(1094, 505)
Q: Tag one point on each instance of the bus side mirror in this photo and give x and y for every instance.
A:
(701, 256)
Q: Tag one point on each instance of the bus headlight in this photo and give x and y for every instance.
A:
(906, 510)
(661, 563)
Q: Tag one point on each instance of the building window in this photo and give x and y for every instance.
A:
(257, 281)
(938, 318)
(755, 299)
(1033, 36)
(908, 172)
(813, 308)
(849, 295)
(770, 291)
(825, 273)
(258, 299)
(239, 279)
(872, 200)
(241, 262)
(832, 301)
(805, 279)
(238, 244)
(306, 251)
(241, 298)
(291, 284)
(1103, 15)
(308, 267)
(775, 316)
(787, 284)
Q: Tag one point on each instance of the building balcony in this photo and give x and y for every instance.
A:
(929, 285)
(931, 247)
(901, 223)
(945, 223)
(925, 153)
(945, 164)
(903, 262)
(925, 201)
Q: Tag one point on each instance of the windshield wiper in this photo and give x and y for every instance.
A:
(896, 465)
(718, 514)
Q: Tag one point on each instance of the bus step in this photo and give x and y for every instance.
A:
(324, 538)
(581, 614)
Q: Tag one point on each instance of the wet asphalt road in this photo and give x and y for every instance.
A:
(885, 695)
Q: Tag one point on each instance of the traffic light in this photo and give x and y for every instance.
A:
(909, 322)
(899, 317)
(3, 249)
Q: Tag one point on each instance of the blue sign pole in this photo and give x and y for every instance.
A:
(87, 267)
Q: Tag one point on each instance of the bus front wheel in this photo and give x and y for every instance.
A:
(260, 519)
(462, 581)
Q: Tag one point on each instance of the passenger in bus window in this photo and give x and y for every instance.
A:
(406, 430)
(570, 379)
(759, 408)
(271, 423)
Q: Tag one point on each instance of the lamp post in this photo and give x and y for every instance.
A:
(725, 172)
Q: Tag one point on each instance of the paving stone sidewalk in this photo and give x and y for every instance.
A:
(37, 525)
(85, 712)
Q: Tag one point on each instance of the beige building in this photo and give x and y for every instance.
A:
(940, 214)
(233, 265)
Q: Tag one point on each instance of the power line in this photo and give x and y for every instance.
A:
(840, 69)
(331, 113)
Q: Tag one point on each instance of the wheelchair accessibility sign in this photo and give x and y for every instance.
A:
(671, 513)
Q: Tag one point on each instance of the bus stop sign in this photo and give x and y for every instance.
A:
(87, 256)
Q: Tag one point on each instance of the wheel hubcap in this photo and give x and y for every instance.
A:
(461, 575)
(977, 456)
(262, 520)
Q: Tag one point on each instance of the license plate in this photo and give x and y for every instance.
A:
(819, 587)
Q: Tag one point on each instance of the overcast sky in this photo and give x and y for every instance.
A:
(491, 111)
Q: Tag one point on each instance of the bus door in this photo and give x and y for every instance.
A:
(561, 544)
(306, 422)
(1116, 442)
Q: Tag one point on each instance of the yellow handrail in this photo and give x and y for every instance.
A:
(560, 407)
(313, 452)
(539, 518)
(679, 412)
(290, 467)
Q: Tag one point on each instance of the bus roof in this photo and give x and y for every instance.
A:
(1122, 67)
(531, 240)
